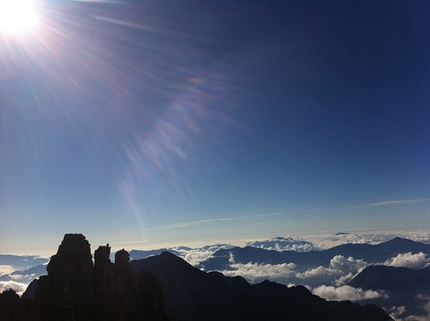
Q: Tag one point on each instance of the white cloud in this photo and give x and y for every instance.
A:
(396, 312)
(197, 255)
(347, 292)
(18, 287)
(284, 244)
(256, 272)
(339, 262)
(6, 269)
(409, 260)
(340, 271)
(398, 202)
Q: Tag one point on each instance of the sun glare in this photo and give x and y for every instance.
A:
(17, 15)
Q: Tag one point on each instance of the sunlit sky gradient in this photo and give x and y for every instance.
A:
(179, 122)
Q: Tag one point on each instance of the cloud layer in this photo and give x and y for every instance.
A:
(284, 244)
(409, 260)
(18, 287)
(347, 292)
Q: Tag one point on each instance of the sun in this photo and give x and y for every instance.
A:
(17, 15)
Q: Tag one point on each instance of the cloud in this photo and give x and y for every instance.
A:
(347, 292)
(339, 271)
(18, 287)
(284, 244)
(397, 202)
(409, 260)
(196, 255)
(396, 312)
(256, 272)
(6, 269)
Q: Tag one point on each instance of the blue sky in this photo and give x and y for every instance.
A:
(176, 122)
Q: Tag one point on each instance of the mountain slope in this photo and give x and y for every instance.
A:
(406, 287)
(393, 279)
(192, 294)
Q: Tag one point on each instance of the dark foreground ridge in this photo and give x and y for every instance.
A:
(162, 287)
(192, 294)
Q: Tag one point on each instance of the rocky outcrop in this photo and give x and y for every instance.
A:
(103, 280)
(67, 292)
(74, 289)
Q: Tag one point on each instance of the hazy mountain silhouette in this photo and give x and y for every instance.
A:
(192, 294)
(19, 262)
(305, 260)
(25, 276)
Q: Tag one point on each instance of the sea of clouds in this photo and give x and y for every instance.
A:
(329, 282)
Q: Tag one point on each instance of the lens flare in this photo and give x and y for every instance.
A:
(17, 15)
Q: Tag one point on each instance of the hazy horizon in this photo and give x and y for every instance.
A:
(321, 240)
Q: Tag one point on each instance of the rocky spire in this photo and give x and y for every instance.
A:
(103, 276)
(66, 293)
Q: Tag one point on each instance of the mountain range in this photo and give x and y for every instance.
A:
(161, 288)
(341, 273)
(192, 294)
(221, 260)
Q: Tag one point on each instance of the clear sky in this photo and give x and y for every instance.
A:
(178, 122)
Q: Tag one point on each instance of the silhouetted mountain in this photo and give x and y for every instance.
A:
(379, 252)
(30, 292)
(192, 294)
(393, 279)
(305, 260)
(180, 251)
(406, 287)
(141, 254)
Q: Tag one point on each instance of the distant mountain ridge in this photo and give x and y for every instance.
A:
(221, 259)
(21, 262)
(305, 260)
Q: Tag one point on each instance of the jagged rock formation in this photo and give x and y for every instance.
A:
(194, 295)
(66, 293)
(75, 290)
